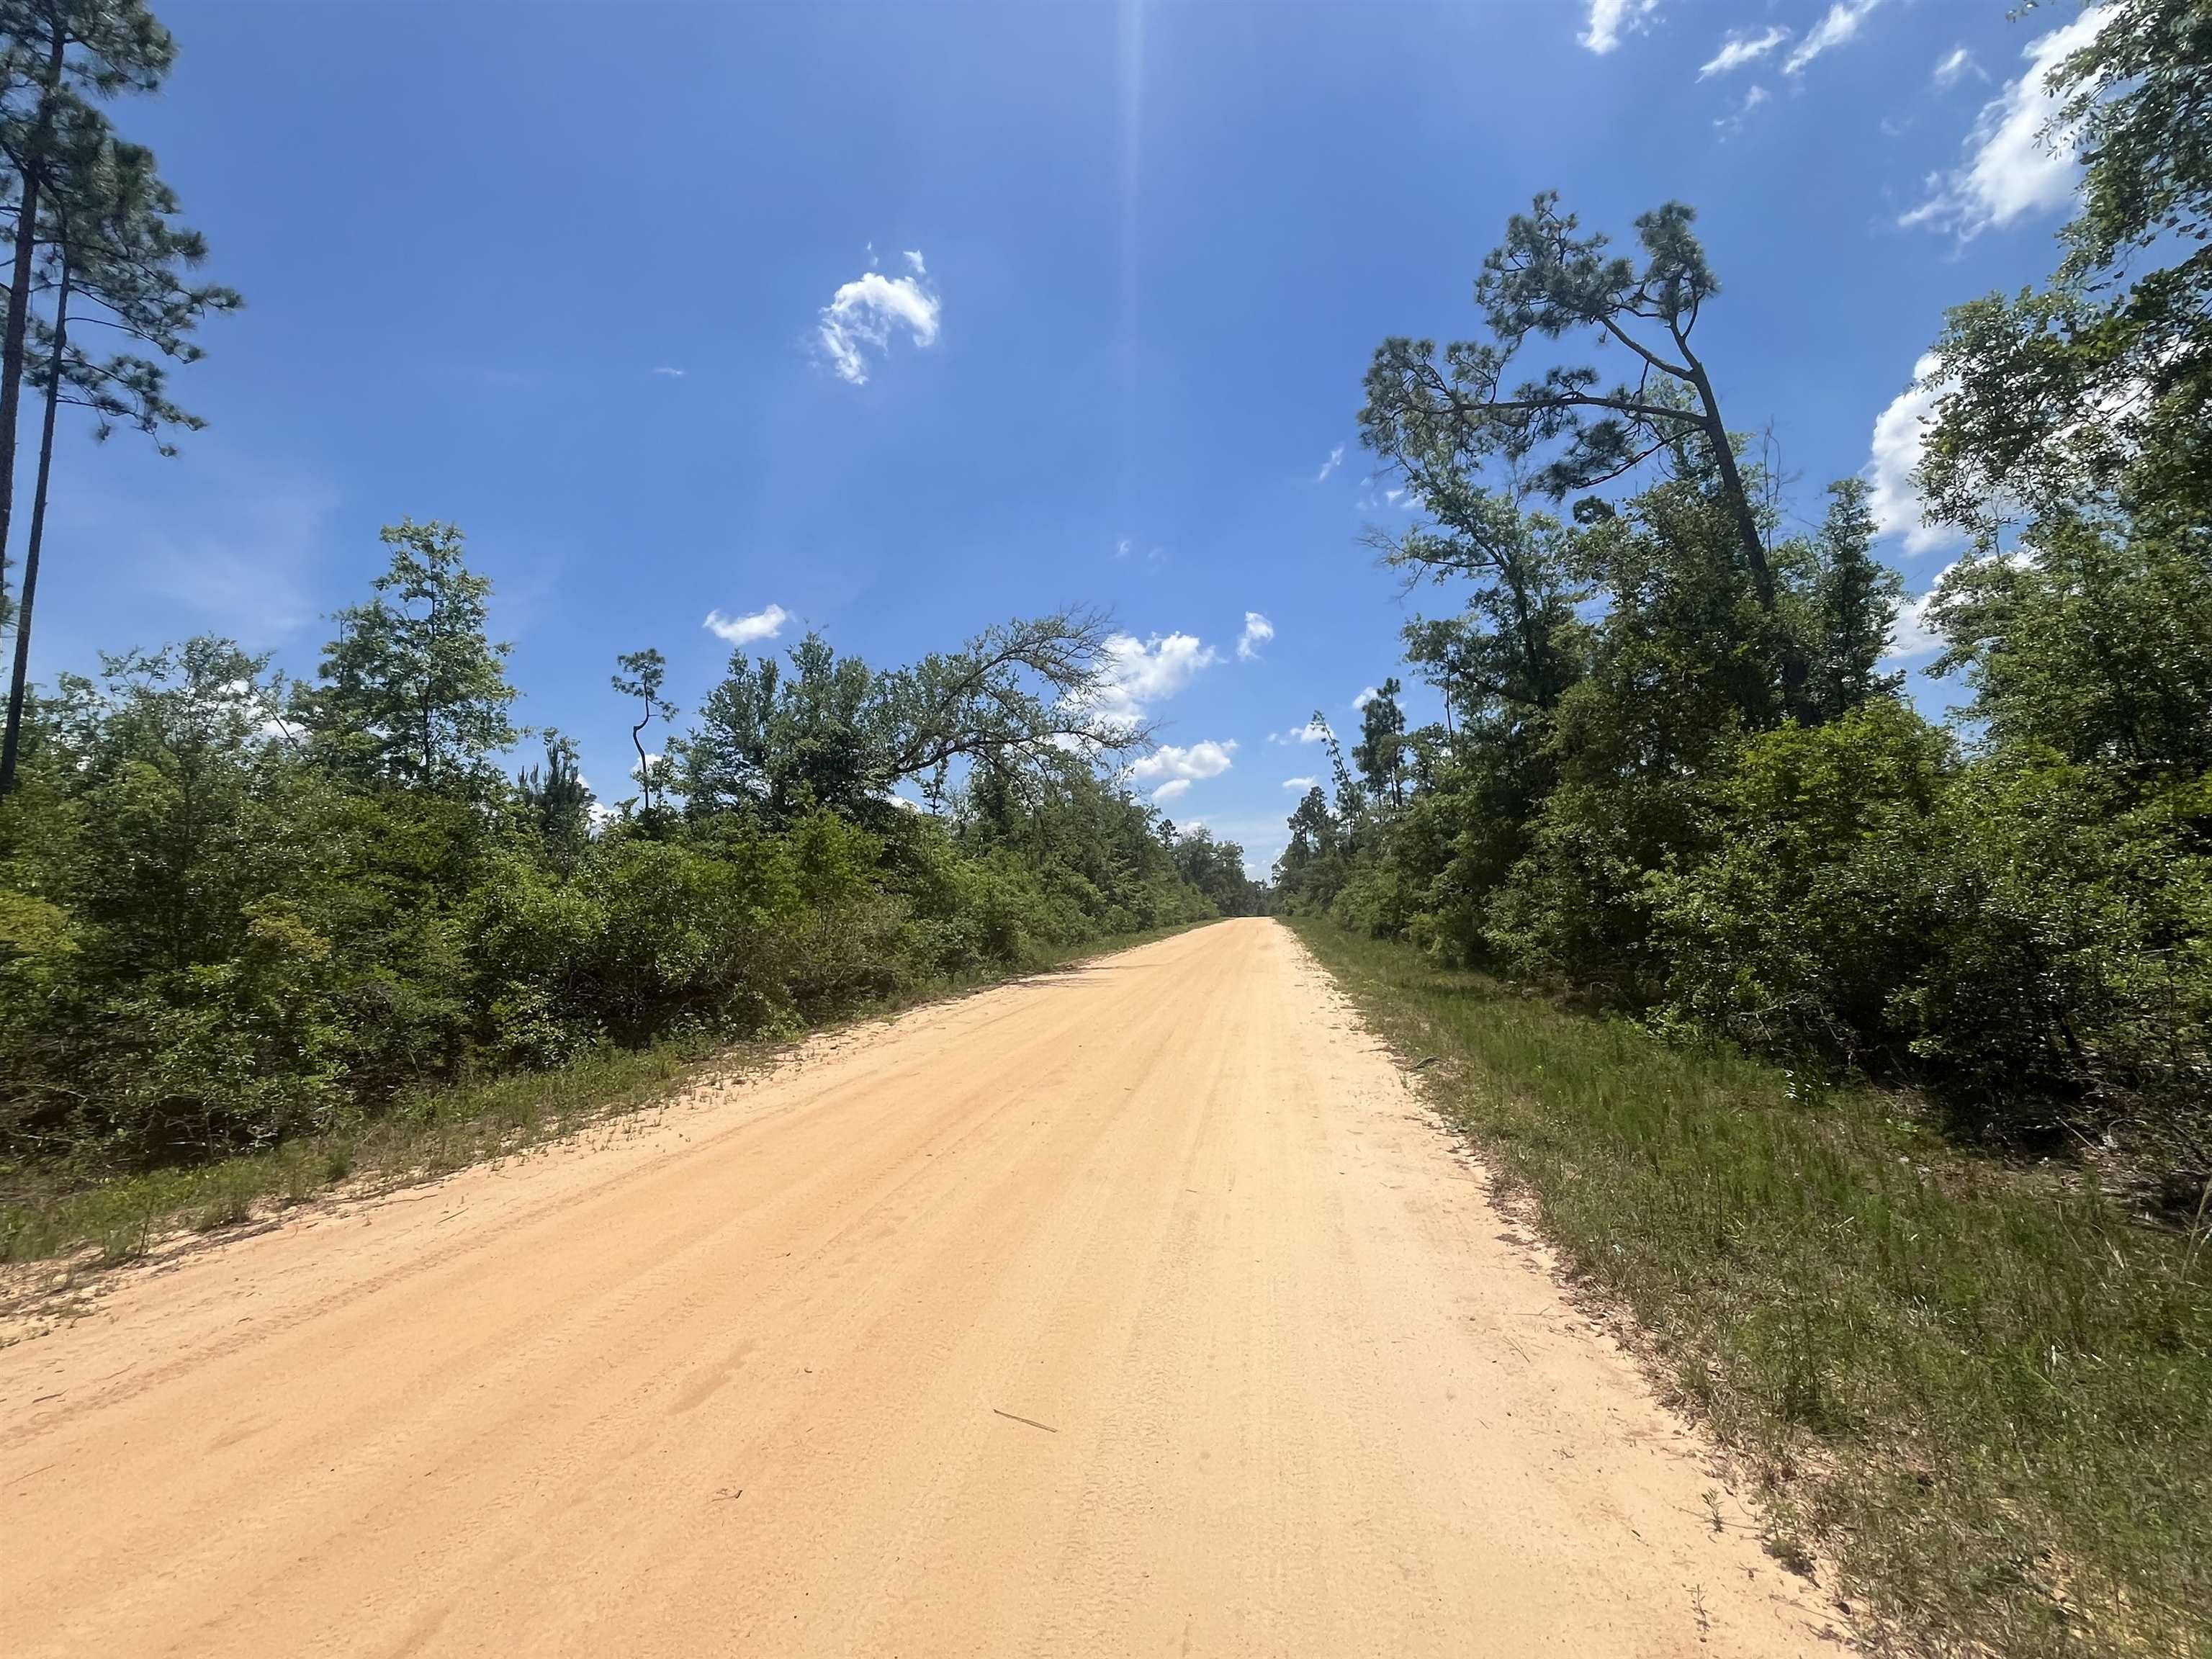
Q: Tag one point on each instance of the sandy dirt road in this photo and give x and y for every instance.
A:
(1133, 1310)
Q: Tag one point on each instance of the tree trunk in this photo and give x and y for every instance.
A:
(1796, 670)
(1747, 522)
(18, 683)
(19, 291)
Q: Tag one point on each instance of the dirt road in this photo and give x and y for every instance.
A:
(1134, 1311)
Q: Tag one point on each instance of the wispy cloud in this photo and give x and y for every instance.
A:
(1172, 789)
(1300, 784)
(1900, 438)
(1839, 25)
(668, 373)
(1732, 123)
(1954, 66)
(1258, 631)
(1126, 547)
(2014, 164)
(234, 544)
(743, 630)
(860, 316)
(1740, 47)
(1607, 20)
(1314, 731)
(1390, 497)
(1335, 459)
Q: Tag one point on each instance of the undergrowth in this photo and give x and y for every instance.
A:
(101, 1220)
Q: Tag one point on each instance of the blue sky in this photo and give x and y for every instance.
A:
(626, 292)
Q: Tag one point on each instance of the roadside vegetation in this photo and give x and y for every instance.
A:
(1678, 773)
(238, 915)
(257, 932)
(1866, 1060)
(1981, 1388)
(55, 1215)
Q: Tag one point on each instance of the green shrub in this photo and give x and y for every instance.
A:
(1815, 906)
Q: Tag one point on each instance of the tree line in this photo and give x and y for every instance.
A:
(1674, 774)
(236, 909)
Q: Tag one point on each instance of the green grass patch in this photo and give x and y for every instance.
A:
(104, 1222)
(1982, 1390)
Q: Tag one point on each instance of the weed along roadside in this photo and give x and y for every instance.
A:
(1978, 1395)
(52, 1231)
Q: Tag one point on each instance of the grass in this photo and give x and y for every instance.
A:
(103, 1223)
(1979, 1392)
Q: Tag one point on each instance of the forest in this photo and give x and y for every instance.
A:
(1674, 776)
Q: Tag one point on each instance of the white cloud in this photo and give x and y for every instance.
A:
(743, 630)
(1609, 20)
(1205, 759)
(1954, 66)
(1314, 731)
(2013, 167)
(1840, 25)
(1335, 459)
(667, 373)
(1122, 546)
(1140, 672)
(1300, 784)
(1900, 438)
(1395, 497)
(862, 313)
(1170, 790)
(1911, 638)
(1740, 47)
(1258, 631)
(1365, 697)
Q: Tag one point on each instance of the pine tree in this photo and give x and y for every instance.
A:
(111, 248)
(1380, 754)
(54, 56)
(557, 800)
(1855, 605)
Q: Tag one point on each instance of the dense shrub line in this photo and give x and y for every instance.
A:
(234, 912)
